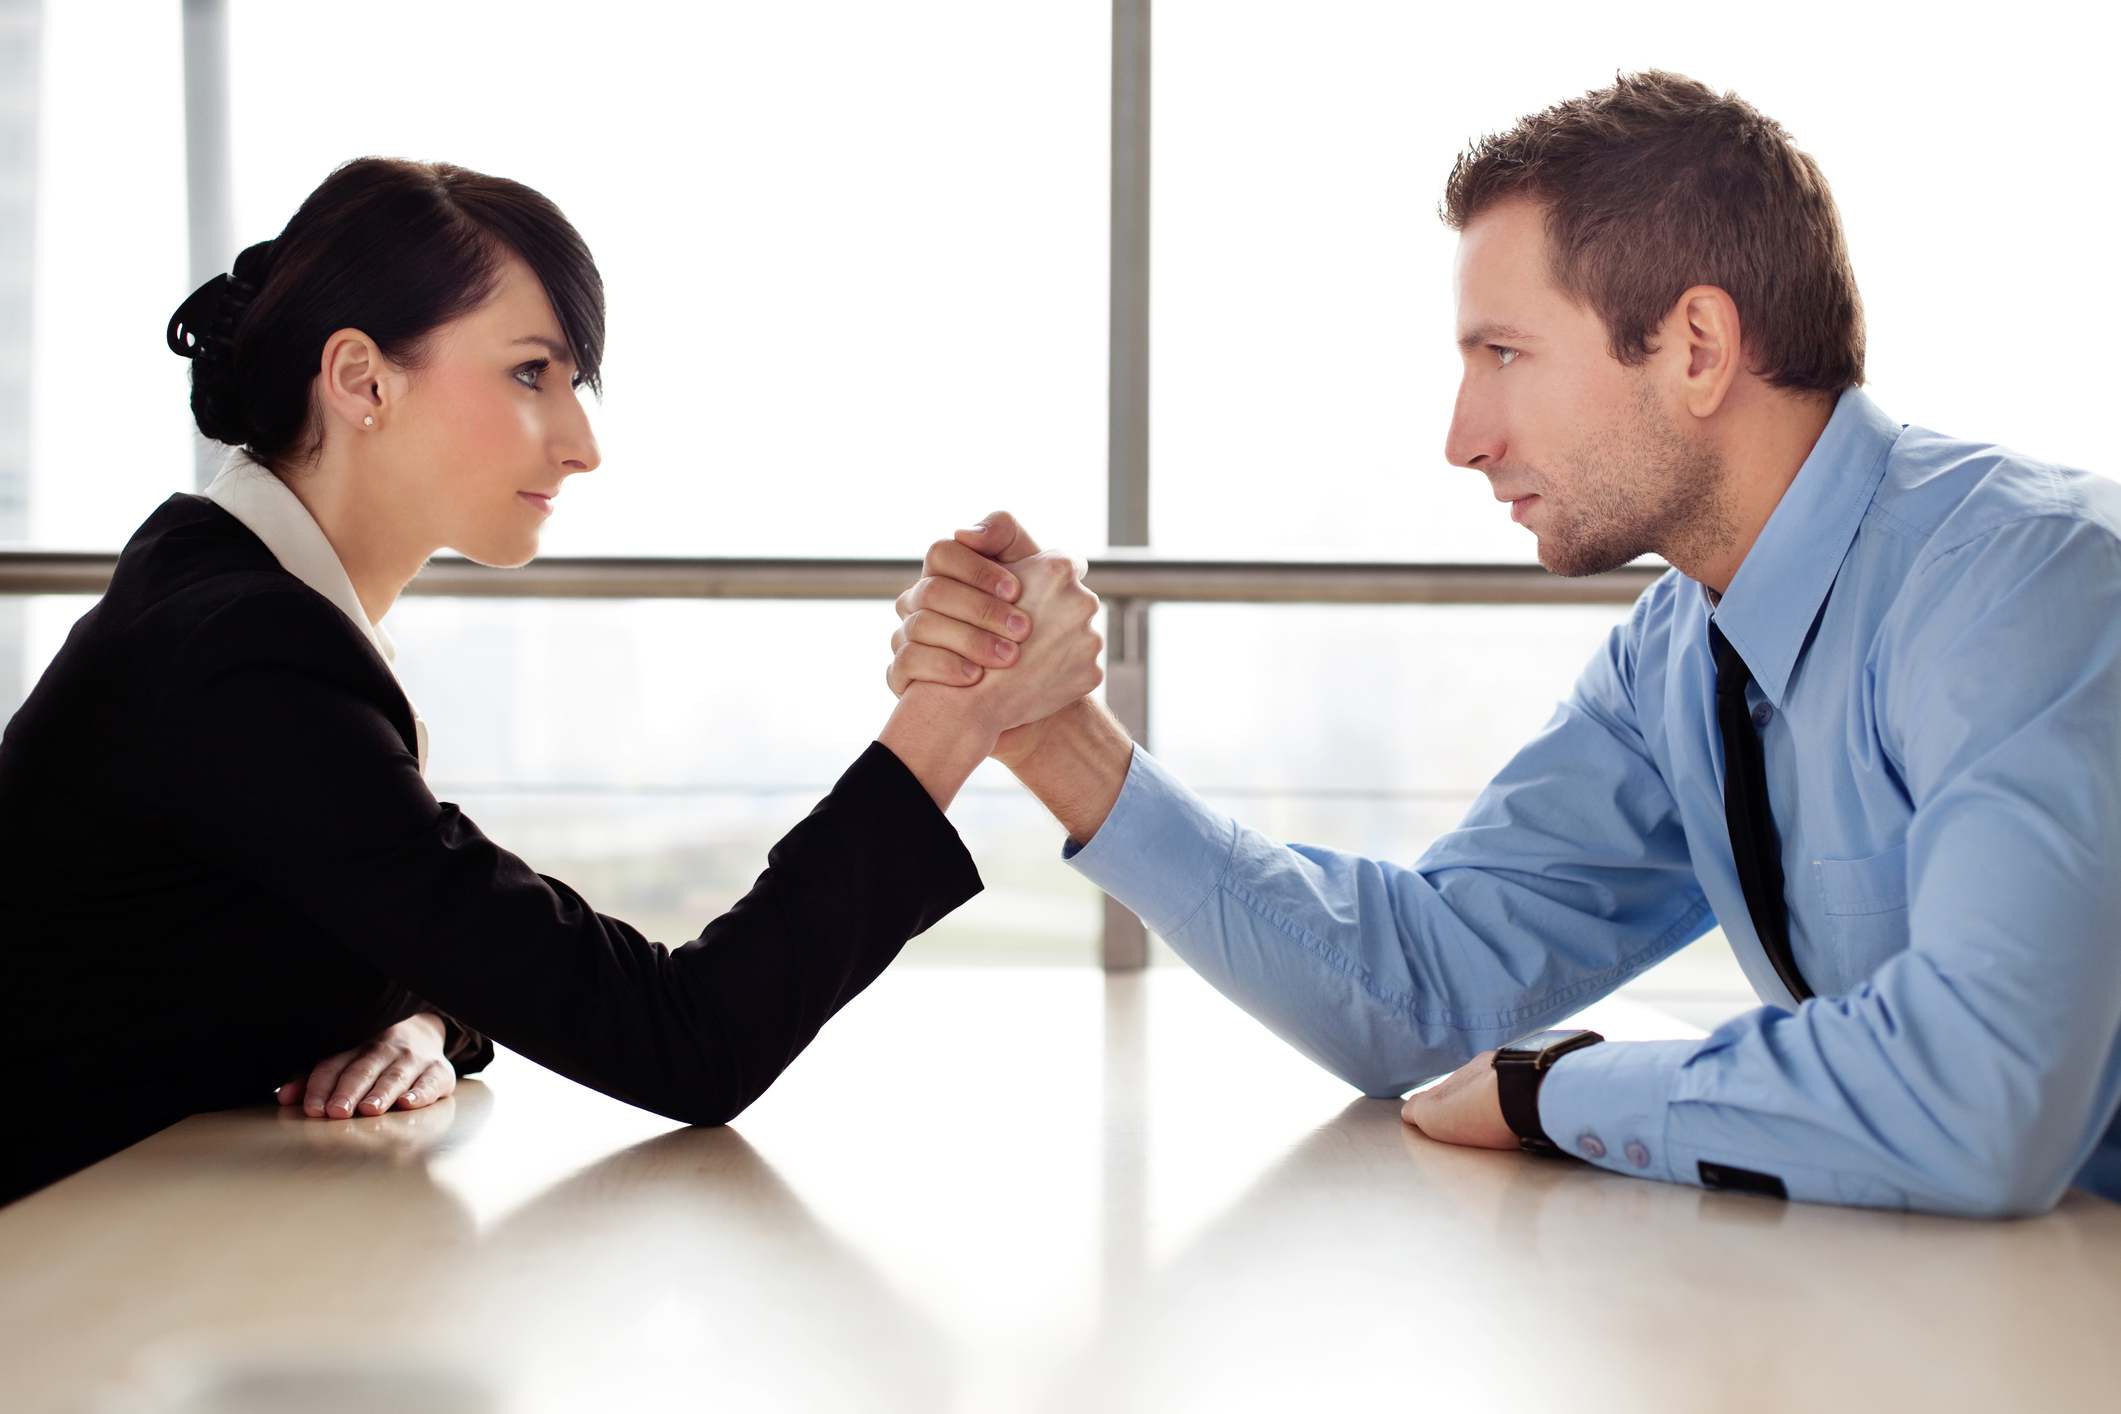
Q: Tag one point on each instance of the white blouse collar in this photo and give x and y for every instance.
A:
(248, 490)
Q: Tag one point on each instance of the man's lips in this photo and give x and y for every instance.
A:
(541, 499)
(1521, 506)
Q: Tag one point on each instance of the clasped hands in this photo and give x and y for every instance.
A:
(969, 625)
(972, 618)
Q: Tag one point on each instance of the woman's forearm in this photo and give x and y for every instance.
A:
(941, 734)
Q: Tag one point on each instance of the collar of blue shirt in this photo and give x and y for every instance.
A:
(1778, 591)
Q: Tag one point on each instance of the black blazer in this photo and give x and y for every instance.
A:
(218, 864)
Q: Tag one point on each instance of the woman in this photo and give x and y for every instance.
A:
(221, 859)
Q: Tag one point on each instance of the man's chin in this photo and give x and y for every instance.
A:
(1574, 560)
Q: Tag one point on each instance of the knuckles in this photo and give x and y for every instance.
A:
(1050, 570)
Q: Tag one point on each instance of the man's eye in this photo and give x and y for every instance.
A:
(1504, 356)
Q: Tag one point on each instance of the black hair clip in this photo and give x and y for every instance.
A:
(205, 324)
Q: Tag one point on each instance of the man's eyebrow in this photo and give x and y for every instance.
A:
(559, 351)
(1491, 334)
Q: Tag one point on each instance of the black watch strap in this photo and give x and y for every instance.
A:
(1520, 1068)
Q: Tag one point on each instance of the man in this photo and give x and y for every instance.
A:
(1870, 723)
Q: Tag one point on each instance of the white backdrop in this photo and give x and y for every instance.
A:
(1304, 363)
(856, 253)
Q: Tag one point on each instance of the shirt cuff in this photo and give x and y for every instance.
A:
(1161, 851)
(1607, 1103)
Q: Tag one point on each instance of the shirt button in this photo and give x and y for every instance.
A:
(1591, 1147)
(1638, 1156)
(1762, 714)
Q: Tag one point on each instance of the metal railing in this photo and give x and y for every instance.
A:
(1119, 575)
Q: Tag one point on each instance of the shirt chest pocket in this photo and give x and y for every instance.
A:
(1865, 902)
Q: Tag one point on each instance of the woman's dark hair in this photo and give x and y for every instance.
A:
(395, 249)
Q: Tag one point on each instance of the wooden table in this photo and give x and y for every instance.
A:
(1001, 1190)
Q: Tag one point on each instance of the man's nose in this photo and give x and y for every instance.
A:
(1475, 437)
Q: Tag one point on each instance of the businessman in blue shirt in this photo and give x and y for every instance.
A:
(1870, 723)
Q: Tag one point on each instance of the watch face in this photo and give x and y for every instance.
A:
(1539, 1041)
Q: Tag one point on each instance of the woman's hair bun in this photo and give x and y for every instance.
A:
(394, 249)
(204, 330)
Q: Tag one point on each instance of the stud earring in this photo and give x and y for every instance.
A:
(368, 422)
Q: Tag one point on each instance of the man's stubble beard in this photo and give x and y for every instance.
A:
(1639, 486)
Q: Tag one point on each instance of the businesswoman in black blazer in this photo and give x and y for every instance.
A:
(220, 864)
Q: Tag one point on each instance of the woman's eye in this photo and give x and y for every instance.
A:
(529, 373)
(1504, 356)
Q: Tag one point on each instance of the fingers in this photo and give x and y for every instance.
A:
(954, 599)
(362, 1081)
(1059, 662)
(323, 1086)
(1463, 1108)
(1054, 572)
(917, 662)
(999, 537)
(434, 1083)
(355, 1080)
(371, 1080)
(290, 1093)
(947, 559)
(974, 645)
(391, 1081)
(951, 632)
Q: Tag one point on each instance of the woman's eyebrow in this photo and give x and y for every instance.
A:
(559, 351)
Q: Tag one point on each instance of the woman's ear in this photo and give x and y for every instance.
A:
(355, 381)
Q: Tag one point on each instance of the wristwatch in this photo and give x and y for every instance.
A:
(1519, 1067)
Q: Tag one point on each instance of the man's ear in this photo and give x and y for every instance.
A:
(354, 382)
(1704, 323)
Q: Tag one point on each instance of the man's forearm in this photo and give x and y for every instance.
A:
(1075, 764)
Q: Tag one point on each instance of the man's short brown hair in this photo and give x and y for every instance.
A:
(1658, 184)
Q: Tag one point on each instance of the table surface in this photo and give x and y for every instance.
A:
(1001, 1190)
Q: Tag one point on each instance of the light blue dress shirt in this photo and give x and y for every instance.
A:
(1934, 629)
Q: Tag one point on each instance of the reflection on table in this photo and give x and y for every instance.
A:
(1004, 1190)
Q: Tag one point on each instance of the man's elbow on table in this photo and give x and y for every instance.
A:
(2005, 1145)
(1994, 1184)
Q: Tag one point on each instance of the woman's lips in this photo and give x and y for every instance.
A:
(539, 499)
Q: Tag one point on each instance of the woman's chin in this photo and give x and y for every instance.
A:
(501, 552)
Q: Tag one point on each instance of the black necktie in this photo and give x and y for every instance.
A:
(1745, 811)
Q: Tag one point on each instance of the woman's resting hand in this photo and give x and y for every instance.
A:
(402, 1066)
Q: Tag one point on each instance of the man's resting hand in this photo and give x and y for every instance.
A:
(1465, 1107)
